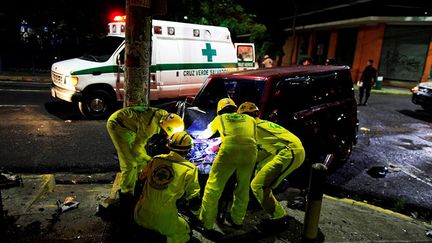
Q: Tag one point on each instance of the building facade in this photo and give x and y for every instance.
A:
(401, 47)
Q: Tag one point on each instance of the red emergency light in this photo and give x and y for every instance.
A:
(119, 18)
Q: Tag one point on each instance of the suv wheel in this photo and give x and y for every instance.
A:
(96, 104)
(343, 150)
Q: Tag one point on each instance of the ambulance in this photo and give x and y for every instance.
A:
(183, 55)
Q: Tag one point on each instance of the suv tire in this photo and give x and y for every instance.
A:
(343, 150)
(96, 105)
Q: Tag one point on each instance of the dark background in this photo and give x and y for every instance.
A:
(62, 29)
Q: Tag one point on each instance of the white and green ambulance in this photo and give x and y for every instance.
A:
(183, 55)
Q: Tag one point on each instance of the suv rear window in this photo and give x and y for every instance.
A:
(239, 90)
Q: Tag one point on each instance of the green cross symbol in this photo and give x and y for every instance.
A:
(209, 52)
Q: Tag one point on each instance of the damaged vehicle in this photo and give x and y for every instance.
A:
(316, 103)
(422, 95)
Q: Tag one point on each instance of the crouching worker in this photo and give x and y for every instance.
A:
(236, 156)
(280, 153)
(130, 129)
(166, 179)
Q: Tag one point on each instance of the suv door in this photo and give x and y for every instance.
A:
(319, 109)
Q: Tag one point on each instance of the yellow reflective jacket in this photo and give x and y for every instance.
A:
(167, 178)
(272, 137)
(143, 121)
(234, 128)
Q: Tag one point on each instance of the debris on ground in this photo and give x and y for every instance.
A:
(68, 204)
(393, 168)
(378, 171)
(8, 180)
(429, 233)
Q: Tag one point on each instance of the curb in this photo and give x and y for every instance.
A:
(94, 178)
(368, 206)
(391, 92)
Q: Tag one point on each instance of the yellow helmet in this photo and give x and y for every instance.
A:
(171, 123)
(247, 107)
(224, 103)
(180, 141)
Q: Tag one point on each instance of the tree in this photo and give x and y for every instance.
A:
(243, 26)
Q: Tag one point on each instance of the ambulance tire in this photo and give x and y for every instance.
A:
(96, 104)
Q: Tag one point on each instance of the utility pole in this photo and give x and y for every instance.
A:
(138, 49)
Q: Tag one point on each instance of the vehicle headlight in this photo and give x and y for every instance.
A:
(71, 80)
(415, 89)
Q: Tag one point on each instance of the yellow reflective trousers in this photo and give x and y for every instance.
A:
(281, 153)
(237, 155)
(129, 129)
(166, 178)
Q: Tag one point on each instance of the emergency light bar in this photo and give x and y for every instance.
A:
(120, 18)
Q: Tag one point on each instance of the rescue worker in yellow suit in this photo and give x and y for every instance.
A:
(237, 155)
(280, 153)
(166, 179)
(130, 128)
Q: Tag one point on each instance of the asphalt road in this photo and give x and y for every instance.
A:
(397, 135)
(39, 134)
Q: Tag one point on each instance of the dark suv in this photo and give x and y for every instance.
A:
(316, 103)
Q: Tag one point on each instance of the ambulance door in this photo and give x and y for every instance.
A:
(194, 69)
(245, 56)
(166, 63)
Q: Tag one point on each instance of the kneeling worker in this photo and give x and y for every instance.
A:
(280, 153)
(166, 179)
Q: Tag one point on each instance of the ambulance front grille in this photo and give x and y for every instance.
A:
(56, 78)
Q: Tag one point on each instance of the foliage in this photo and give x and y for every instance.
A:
(243, 26)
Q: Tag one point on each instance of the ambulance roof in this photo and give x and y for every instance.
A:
(177, 30)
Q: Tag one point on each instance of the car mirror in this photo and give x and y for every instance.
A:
(189, 100)
(194, 108)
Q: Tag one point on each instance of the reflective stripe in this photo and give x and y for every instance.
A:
(289, 165)
(223, 126)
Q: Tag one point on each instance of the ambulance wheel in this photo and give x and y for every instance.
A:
(96, 105)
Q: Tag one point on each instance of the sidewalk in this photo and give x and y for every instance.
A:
(33, 210)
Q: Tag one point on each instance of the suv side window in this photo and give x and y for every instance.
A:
(294, 94)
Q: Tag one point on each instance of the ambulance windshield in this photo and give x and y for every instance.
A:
(102, 49)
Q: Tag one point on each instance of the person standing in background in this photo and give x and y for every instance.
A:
(267, 62)
(367, 80)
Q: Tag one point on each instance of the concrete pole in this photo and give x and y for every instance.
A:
(137, 52)
(314, 200)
